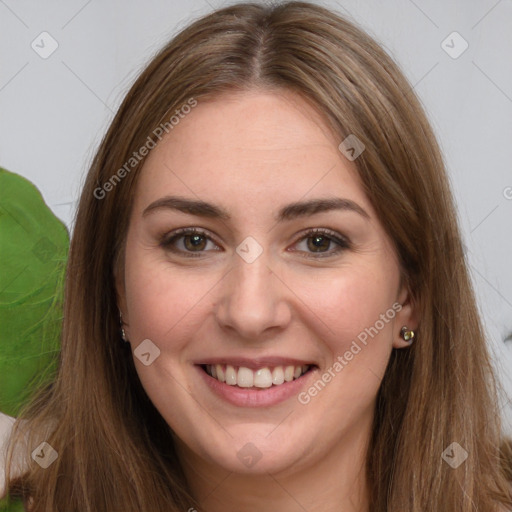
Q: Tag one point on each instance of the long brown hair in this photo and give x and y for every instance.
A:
(115, 451)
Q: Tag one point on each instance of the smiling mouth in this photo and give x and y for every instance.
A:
(263, 378)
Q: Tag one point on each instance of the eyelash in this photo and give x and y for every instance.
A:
(168, 240)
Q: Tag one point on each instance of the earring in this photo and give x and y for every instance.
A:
(123, 334)
(407, 334)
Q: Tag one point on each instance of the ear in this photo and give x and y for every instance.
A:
(407, 316)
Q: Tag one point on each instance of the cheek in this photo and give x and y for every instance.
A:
(351, 300)
(353, 311)
(162, 300)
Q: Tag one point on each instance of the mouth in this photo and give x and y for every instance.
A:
(258, 379)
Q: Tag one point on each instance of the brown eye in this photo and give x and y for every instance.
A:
(316, 243)
(188, 242)
(194, 242)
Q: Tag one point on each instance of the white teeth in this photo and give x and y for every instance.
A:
(262, 378)
(230, 375)
(288, 373)
(245, 377)
(278, 375)
(221, 376)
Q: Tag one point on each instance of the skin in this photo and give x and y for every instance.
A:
(252, 153)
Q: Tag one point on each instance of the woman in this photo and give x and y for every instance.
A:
(268, 227)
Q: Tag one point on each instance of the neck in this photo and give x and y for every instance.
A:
(335, 481)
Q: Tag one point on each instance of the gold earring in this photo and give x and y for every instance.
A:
(407, 334)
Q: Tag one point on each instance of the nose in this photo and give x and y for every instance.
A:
(253, 300)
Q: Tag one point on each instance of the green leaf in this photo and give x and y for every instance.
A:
(33, 253)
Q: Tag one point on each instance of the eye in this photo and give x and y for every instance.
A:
(316, 243)
(188, 241)
(193, 242)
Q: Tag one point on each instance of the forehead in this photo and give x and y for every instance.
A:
(249, 148)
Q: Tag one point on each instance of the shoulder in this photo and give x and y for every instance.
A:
(6, 423)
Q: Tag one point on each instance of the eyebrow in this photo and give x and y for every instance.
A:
(288, 212)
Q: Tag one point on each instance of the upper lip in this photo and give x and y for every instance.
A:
(254, 363)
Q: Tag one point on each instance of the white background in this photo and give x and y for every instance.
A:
(54, 111)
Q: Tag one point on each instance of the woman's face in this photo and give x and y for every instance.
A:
(255, 293)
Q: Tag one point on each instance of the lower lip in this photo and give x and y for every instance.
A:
(264, 397)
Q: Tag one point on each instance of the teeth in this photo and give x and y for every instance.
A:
(278, 375)
(231, 376)
(263, 378)
(245, 377)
